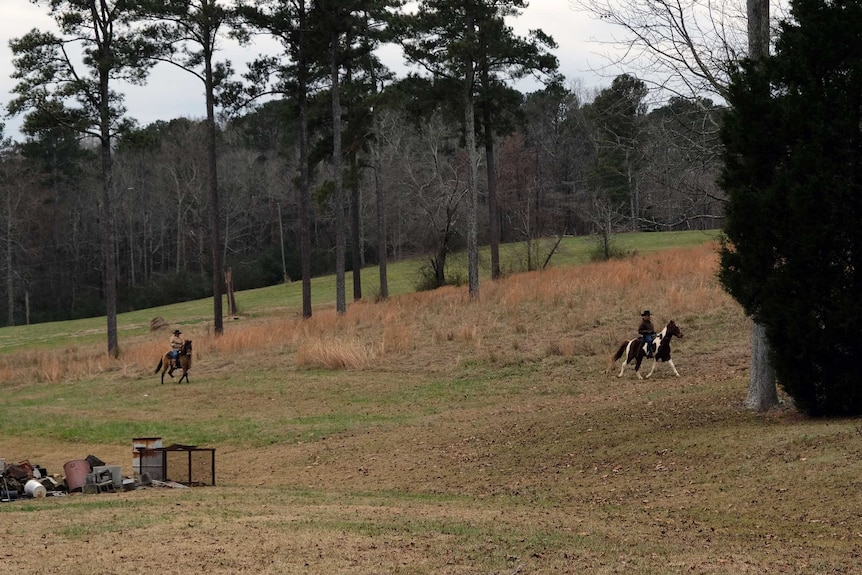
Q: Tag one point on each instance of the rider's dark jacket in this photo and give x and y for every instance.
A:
(646, 328)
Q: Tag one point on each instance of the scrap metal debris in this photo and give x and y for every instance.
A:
(91, 475)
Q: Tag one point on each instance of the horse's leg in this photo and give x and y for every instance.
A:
(626, 359)
(640, 358)
(673, 367)
(654, 361)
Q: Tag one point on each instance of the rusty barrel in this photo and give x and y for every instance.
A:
(76, 473)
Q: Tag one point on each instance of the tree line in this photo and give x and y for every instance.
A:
(346, 159)
(321, 160)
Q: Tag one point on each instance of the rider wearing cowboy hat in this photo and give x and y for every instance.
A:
(176, 346)
(647, 331)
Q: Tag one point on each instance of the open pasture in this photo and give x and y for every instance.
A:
(434, 434)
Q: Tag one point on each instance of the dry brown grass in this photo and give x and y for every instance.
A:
(510, 316)
(435, 434)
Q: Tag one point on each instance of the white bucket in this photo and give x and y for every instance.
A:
(35, 489)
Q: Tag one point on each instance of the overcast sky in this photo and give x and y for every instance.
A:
(170, 93)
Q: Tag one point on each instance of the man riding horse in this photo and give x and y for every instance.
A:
(176, 347)
(647, 332)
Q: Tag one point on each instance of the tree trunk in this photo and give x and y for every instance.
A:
(108, 221)
(439, 265)
(10, 276)
(381, 209)
(338, 191)
(472, 193)
(304, 192)
(214, 218)
(491, 169)
(762, 394)
(356, 229)
(758, 28)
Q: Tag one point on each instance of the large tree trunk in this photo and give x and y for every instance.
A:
(338, 191)
(356, 229)
(491, 169)
(10, 274)
(473, 196)
(472, 193)
(758, 28)
(762, 394)
(108, 221)
(214, 217)
(354, 206)
(304, 177)
(381, 209)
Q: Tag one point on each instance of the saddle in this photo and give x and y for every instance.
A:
(650, 348)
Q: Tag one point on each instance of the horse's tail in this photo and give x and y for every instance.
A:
(617, 355)
(158, 367)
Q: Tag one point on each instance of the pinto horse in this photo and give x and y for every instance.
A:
(166, 364)
(635, 350)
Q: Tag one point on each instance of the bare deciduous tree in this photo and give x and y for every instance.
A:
(437, 188)
(689, 47)
(685, 47)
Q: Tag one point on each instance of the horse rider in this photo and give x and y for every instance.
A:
(647, 332)
(176, 346)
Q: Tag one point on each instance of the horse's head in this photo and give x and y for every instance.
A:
(673, 329)
(187, 347)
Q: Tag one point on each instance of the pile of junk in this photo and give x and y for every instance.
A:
(90, 475)
(153, 465)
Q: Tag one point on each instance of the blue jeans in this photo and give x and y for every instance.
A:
(648, 338)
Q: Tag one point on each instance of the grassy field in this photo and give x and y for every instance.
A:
(434, 434)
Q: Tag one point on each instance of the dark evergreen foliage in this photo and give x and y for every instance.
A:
(618, 112)
(166, 289)
(793, 250)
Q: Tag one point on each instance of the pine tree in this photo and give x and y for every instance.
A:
(60, 90)
(793, 250)
(469, 43)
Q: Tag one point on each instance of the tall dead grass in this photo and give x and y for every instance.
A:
(566, 311)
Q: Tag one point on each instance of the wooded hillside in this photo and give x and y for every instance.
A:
(561, 162)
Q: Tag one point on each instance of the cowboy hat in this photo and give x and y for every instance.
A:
(177, 332)
(646, 312)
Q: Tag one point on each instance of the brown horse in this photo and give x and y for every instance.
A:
(166, 364)
(635, 351)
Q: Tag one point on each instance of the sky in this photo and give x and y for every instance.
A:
(171, 93)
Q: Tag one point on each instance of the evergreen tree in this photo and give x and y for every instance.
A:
(190, 33)
(80, 94)
(793, 249)
(293, 76)
(502, 53)
(618, 114)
